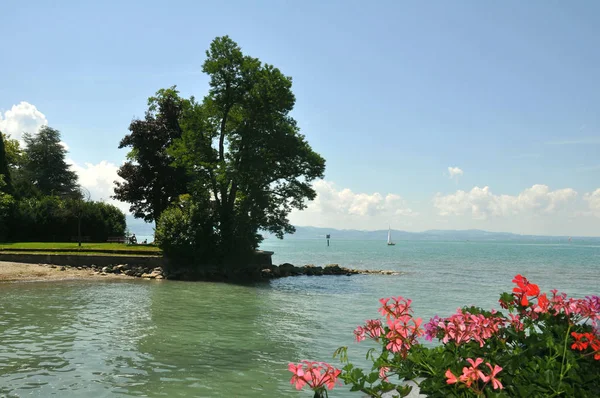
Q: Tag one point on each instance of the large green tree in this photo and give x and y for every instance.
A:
(250, 165)
(14, 152)
(150, 183)
(44, 164)
(5, 174)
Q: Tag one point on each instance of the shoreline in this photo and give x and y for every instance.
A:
(13, 271)
(27, 272)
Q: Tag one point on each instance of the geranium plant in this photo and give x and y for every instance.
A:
(544, 346)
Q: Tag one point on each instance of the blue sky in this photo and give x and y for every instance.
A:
(390, 93)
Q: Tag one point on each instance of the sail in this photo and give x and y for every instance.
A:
(389, 235)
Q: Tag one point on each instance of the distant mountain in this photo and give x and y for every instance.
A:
(459, 235)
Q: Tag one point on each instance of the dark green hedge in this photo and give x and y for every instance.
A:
(54, 219)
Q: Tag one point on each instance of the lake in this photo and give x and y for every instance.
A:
(98, 338)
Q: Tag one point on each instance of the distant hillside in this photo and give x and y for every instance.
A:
(470, 234)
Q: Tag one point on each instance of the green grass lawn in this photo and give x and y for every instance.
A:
(86, 253)
(96, 247)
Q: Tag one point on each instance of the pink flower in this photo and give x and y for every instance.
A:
(397, 308)
(359, 334)
(515, 321)
(463, 327)
(472, 374)
(317, 375)
(298, 377)
(403, 334)
(373, 329)
(431, 328)
(451, 379)
(383, 373)
(492, 376)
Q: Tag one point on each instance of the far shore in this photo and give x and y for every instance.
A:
(16, 272)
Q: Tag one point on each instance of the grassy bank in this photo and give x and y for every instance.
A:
(74, 248)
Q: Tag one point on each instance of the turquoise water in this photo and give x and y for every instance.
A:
(176, 339)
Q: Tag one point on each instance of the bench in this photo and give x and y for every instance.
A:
(116, 239)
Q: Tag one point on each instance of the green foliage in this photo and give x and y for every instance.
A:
(14, 153)
(185, 234)
(45, 167)
(248, 163)
(151, 183)
(7, 206)
(4, 169)
(51, 218)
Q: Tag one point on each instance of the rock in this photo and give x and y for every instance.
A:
(103, 273)
(148, 276)
(266, 273)
(333, 269)
(299, 271)
(313, 270)
(122, 267)
(80, 268)
(52, 266)
(275, 271)
(159, 277)
(63, 269)
(286, 269)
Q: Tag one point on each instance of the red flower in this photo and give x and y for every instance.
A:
(524, 288)
(543, 304)
(579, 343)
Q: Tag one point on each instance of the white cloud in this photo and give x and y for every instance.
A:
(593, 200)
(64, 145)
(22, 118)
(481, 203)
(455, 172)
(99, 180)
(343, 208)
(330, 199)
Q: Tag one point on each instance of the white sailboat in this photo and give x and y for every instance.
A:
(389, 242)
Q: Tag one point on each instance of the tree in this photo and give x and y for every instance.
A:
(44, 164)
(7, 205)
(14, 153)
(5, 174)
(249, 163)
(151, 183)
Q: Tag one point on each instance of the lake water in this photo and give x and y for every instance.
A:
(177, 339)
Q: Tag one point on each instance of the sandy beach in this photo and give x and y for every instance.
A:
(10, 272)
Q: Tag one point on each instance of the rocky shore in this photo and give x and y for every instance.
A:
(21, 271)
(287, 269)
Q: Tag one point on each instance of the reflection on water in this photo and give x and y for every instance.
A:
(151, 338)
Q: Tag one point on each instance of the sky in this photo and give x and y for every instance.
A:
(431, 115)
